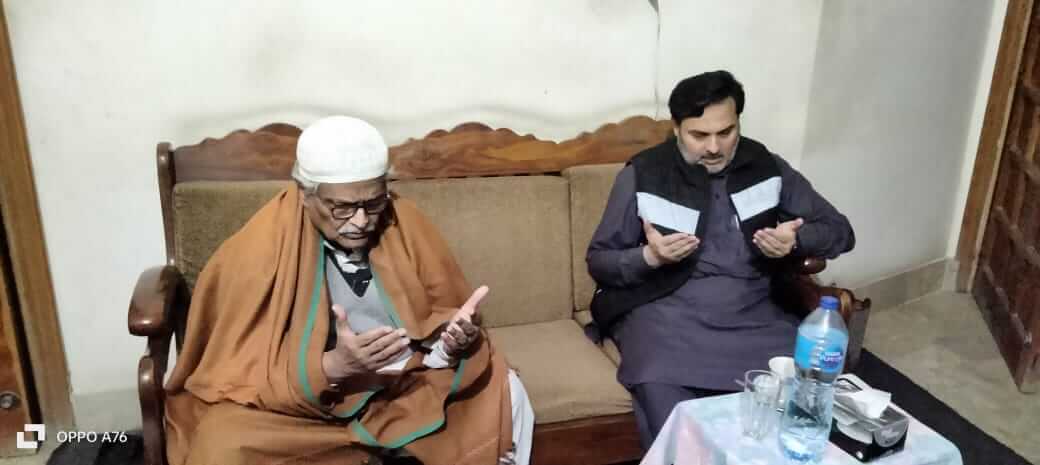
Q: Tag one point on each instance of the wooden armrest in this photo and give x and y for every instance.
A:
(159, 299)
(799, 294)
(810, 265)
(850, 306)
(809, 293)
(855, 312)
(155, 296)
(150, 373)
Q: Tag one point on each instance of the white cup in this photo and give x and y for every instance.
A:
(784, 368)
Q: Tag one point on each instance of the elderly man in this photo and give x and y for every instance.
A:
(693, 231)
(336, 324)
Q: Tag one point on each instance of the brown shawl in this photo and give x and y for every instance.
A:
(256, 333)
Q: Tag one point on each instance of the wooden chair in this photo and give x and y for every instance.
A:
(159, 305)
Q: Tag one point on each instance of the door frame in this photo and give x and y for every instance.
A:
(991, 140)
(34, 291)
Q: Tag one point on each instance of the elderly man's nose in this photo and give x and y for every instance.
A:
(360, 218)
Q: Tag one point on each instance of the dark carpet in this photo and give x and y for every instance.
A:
(977, 447)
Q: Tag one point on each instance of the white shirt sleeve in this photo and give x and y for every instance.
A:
(438, 357)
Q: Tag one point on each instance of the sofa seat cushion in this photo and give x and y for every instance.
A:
(566, 376)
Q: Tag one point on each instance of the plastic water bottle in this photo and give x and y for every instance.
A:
(819, 356)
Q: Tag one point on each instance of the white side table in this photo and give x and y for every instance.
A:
(707, 431)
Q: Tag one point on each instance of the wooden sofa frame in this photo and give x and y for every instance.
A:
(159, 305)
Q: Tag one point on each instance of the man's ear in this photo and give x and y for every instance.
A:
(306, 199)
(310, 208)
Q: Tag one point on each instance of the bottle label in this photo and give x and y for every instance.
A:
(827, 357)
(830, 360)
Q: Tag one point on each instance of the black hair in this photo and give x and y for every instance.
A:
(693, 94)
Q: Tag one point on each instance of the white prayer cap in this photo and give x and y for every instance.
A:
(340, 149)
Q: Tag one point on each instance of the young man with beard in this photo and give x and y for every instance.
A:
(692, 234)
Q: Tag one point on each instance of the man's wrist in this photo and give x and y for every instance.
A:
(330, 364)
(648, 257)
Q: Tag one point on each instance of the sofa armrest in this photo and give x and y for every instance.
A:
(150, 373)
(855, 312)
(799, 293)
(810, 265)
(806, 295)
(157, 307)
(155, 297)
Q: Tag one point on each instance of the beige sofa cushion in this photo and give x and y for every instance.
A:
(584, 317)
(611, 350)
(208, 212)
(508, 232)
(590, 187)
(566, 375)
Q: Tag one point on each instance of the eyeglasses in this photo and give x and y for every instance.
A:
(347, 210)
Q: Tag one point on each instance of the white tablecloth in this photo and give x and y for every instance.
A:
(707, 432)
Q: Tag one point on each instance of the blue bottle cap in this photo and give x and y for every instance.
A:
(829, 302)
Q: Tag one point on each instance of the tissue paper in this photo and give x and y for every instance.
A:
(868, 402)
(865, 424)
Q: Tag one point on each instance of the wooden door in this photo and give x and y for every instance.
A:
(32, 354)
(16, 403)
(1007, 282)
